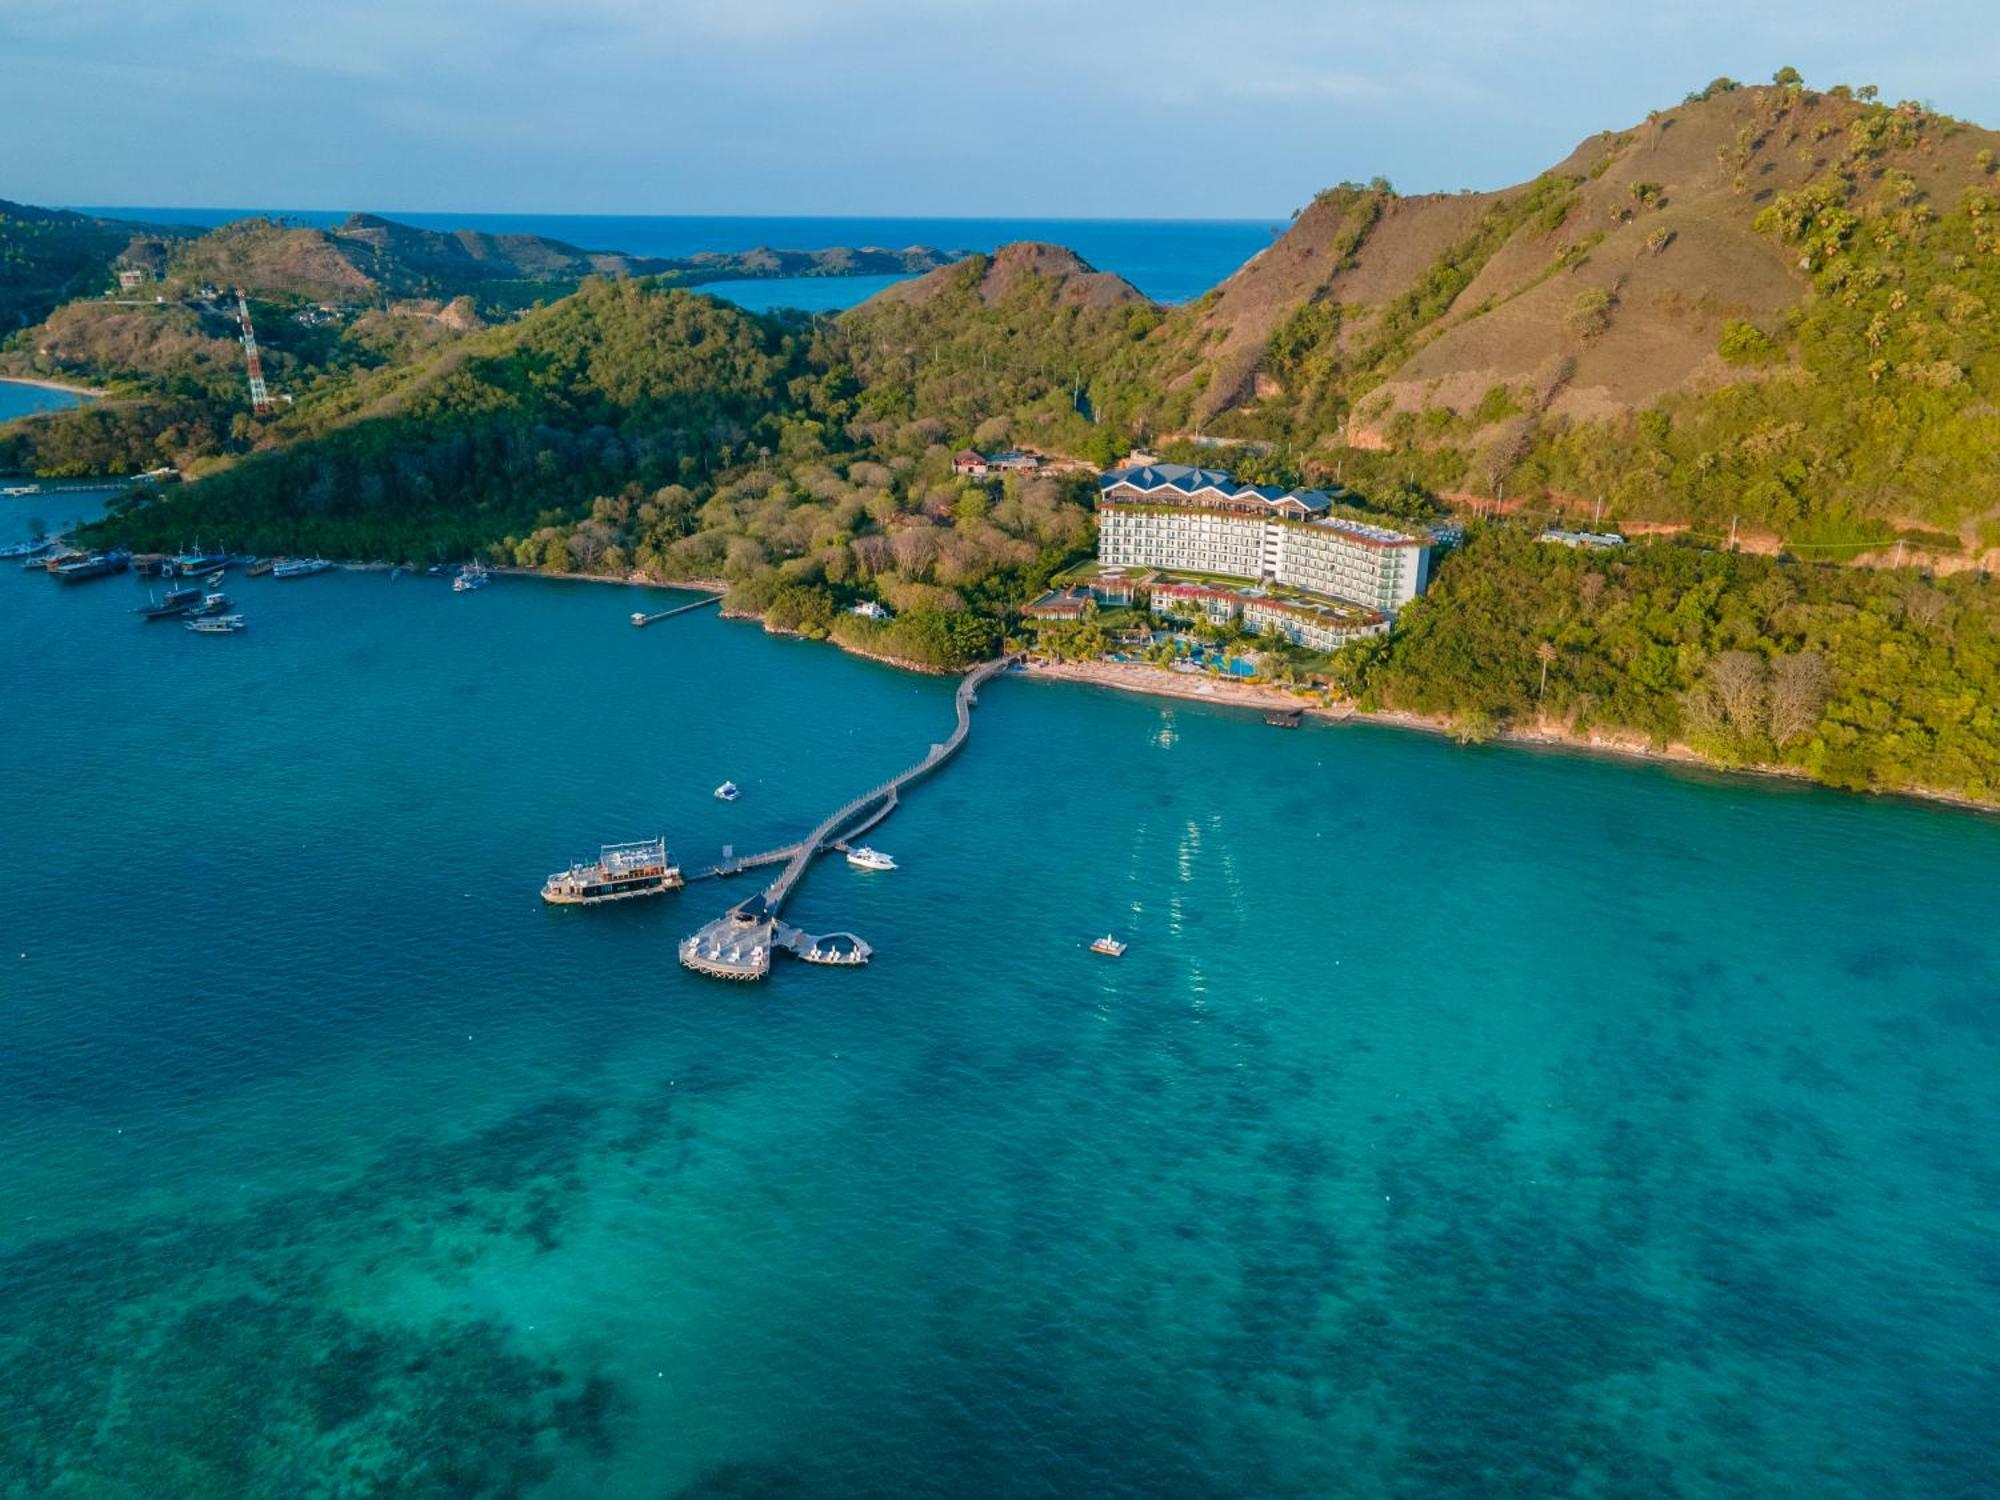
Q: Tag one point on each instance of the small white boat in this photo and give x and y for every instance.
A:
(728, 792)
(1109, 946)
(301, 567)
(216, 625)
(471, 576)
(865, 858)
(638, 619)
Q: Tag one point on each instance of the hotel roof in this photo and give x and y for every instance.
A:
(1170, 482)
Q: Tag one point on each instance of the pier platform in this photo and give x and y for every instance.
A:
(739, 943)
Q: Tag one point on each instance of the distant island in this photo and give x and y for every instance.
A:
(365, 261)
(1747, 344)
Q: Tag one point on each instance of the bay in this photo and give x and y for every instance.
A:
(1460, 1122)
(1171, 260)
(20, 399)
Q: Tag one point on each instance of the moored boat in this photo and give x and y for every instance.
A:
(41, 546)
(729, 791)
(259, 567)
(300, 567)
(621, 871)
(212, 604)
(217, 625)
(94, 565)
(174, 602)
(194, 564)
(471, 576)
(864, 858)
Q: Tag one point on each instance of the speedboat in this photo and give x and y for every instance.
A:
(728, 792)
(217, 625)
(865, 858)
(471, 576)
(214, 580)
(1109, 946)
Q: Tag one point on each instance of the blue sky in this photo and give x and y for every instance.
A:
(967, 107)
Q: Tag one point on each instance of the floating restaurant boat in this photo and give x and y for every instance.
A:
(300, 567)
(175, 602)
(95, 565)
(1109, 946)
(471, 576)
(729, 791)
(621, 871)
(217, 625)
(865, 858)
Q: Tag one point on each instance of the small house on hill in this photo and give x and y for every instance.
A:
(980, 465)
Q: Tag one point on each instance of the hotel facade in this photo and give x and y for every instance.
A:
(1182, 519)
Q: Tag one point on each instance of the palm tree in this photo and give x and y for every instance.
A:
(1545, 653)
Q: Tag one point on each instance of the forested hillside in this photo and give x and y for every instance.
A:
(48, 256)
(622, 382)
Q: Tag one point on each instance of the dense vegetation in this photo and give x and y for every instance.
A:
(48, 256)
(620, 384)
(1861, 678)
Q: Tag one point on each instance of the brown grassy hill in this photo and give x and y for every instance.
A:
(1059, 276)
(1598, 288)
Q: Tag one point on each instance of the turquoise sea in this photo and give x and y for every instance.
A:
(1460, 1123)
(20, 400)
(1171, 260)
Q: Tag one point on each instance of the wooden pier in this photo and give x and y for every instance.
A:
(739, 943)
(643, 620)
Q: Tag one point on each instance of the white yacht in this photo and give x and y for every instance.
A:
(728, 792)
(864, 858)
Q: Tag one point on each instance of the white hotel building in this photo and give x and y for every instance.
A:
(1188, 520)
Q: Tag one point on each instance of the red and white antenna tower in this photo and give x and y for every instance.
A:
(260, 399)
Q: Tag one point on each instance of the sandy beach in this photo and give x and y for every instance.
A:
(55, 385)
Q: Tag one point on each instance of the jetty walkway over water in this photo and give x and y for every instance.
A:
(739, 943)
(642, 620)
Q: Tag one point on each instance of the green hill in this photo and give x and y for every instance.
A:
(623, 383)
(49, 255)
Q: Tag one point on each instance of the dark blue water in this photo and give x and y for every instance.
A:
(19, 400)
(1461, 1122)
(1171, 260)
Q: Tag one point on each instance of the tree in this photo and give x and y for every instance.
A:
(1788, 78)
(1801, 684)
(1545, 653)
